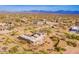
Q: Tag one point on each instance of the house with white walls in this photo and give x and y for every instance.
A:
(36, 38)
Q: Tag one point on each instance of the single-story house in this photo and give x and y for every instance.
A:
(37, 38)
(74, 29)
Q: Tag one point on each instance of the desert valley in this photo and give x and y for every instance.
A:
(39, 33)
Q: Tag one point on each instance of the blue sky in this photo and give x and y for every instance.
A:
(39, 7)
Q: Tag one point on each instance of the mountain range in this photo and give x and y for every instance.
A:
(59, 11)
(43, 11)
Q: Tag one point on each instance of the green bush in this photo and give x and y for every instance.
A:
(60, 49)
(72, 36)
(71, 43)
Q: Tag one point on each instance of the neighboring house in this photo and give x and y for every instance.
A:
(41, 22)
(37, 38)
(75, 28)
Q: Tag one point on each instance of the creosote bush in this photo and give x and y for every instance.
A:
(72, 36)
(73, 44)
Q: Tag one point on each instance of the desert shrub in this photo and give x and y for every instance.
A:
(54, 38)
(41, 52)
(28, 52)
(47, 30)
(72, 36)
(14, 33)
(60, 49)
(13, 50)
(71, 43)
(8, 40)
(56, 43)
(17, 20)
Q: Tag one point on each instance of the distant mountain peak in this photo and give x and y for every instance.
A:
(59, 11)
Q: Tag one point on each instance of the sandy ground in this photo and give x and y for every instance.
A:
(72, 50)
